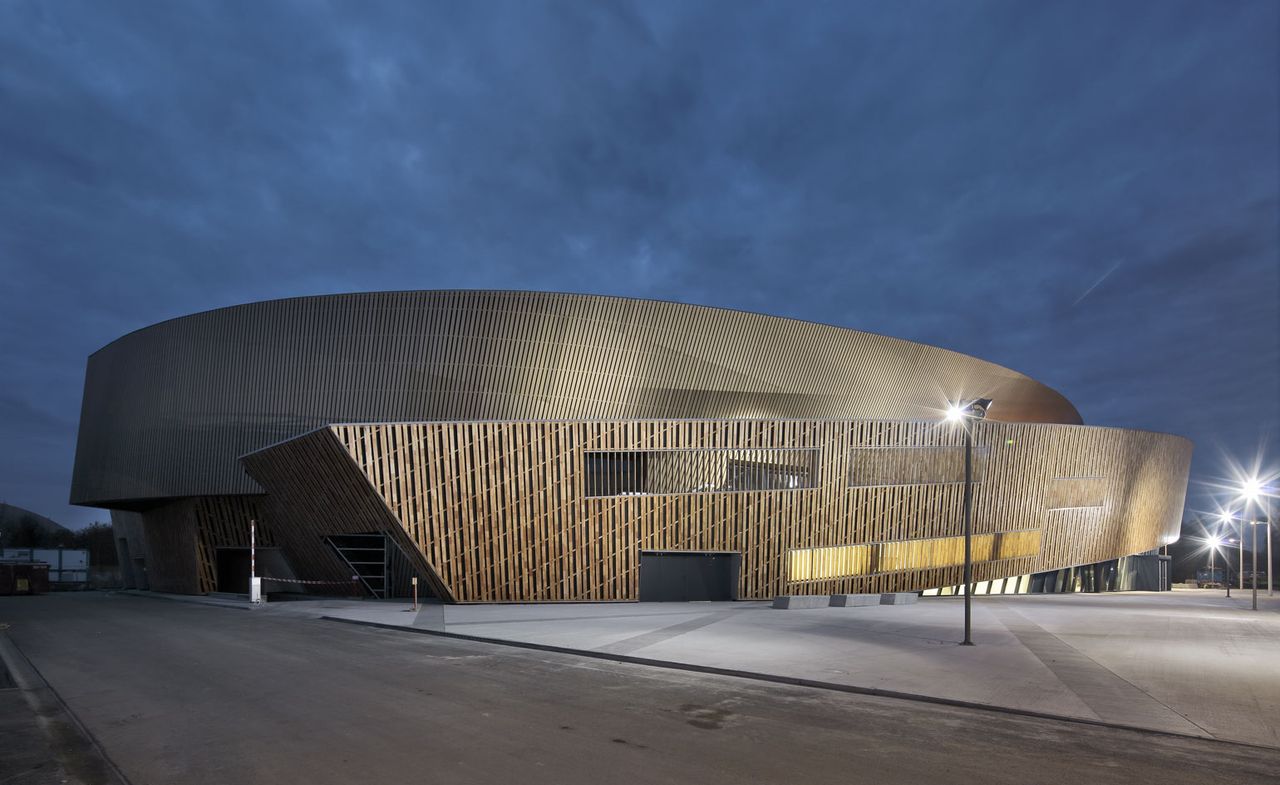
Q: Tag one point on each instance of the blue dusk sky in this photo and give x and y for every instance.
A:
(1086, 192)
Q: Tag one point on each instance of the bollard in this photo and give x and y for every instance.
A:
(414, 580)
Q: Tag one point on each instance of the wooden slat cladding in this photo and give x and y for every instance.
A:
(316, 492)
(912, 465)
(499, 510)
(666, 472)
(223, 522)
(181, 538)
(168, 409)
(1067, 492)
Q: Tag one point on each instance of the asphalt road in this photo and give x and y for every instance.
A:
(183, 693)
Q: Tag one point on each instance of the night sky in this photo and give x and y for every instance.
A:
(1086, 192)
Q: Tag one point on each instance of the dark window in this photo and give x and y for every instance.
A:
(872, 466)
(616, 473)
(664, 472)
(761, 476)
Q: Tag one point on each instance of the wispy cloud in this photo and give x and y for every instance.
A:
(1097, 283)
(956, 173)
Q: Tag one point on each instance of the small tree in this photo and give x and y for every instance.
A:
(99, 539)
(28, 533)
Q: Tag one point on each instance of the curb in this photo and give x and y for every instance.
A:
(45, 702)
(799, 682)
(195, 599)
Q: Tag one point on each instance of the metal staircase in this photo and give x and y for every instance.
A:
(378, 562)
(366, 555)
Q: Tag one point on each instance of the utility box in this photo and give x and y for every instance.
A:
(23, 578)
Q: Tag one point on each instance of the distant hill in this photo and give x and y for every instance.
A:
(21, 528)
(14, 520)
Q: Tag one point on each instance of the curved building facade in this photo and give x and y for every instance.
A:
(534, 446)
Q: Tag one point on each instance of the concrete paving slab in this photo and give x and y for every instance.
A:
(178, 693)
(1190, 662)
(1104, 692)
(898, 649)
(854, 600)
(797, 602)
(1215, 662)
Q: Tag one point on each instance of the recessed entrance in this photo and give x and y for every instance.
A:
(231, 571)
(688, 576)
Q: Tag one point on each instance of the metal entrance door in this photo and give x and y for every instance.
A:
(688, 576)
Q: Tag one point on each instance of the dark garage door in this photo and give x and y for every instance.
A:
(233, 570)
(681, 576)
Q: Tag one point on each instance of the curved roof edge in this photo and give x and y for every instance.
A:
(553, 293)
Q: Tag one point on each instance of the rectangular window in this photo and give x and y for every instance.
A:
(811, 564)
(664, 472)
(1016, 545)
(761, 476)
(616, 473)
(1064, 493)
(871, 466)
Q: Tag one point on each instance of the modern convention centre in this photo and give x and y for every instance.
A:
(530, 447)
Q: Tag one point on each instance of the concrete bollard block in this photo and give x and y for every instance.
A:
(899, 598)
(854, 600)
(792, 602)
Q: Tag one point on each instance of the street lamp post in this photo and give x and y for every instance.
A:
(1266, 516)
(966, 415)
(968, 533)
(1226, 569)
(1241, 546)
(1225, 519)
(1253, 579)
(1213, 574)
(1250, 492)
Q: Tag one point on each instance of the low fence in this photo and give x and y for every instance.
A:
(67, 566)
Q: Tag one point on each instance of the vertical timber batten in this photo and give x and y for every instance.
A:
(531, 532)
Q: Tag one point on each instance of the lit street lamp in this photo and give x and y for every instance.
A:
(966, 414)
(1251, 492)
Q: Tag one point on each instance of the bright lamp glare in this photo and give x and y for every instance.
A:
(1251, 488)
(954, 413)
(1214, 542)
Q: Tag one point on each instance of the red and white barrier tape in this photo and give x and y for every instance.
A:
(295, 580)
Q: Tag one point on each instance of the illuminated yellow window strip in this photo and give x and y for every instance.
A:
(1015, 545)
(929, 554)
(848, 561)
(833, 562)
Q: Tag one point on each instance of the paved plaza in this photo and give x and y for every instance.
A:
(194, 693)
(1190, 662)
